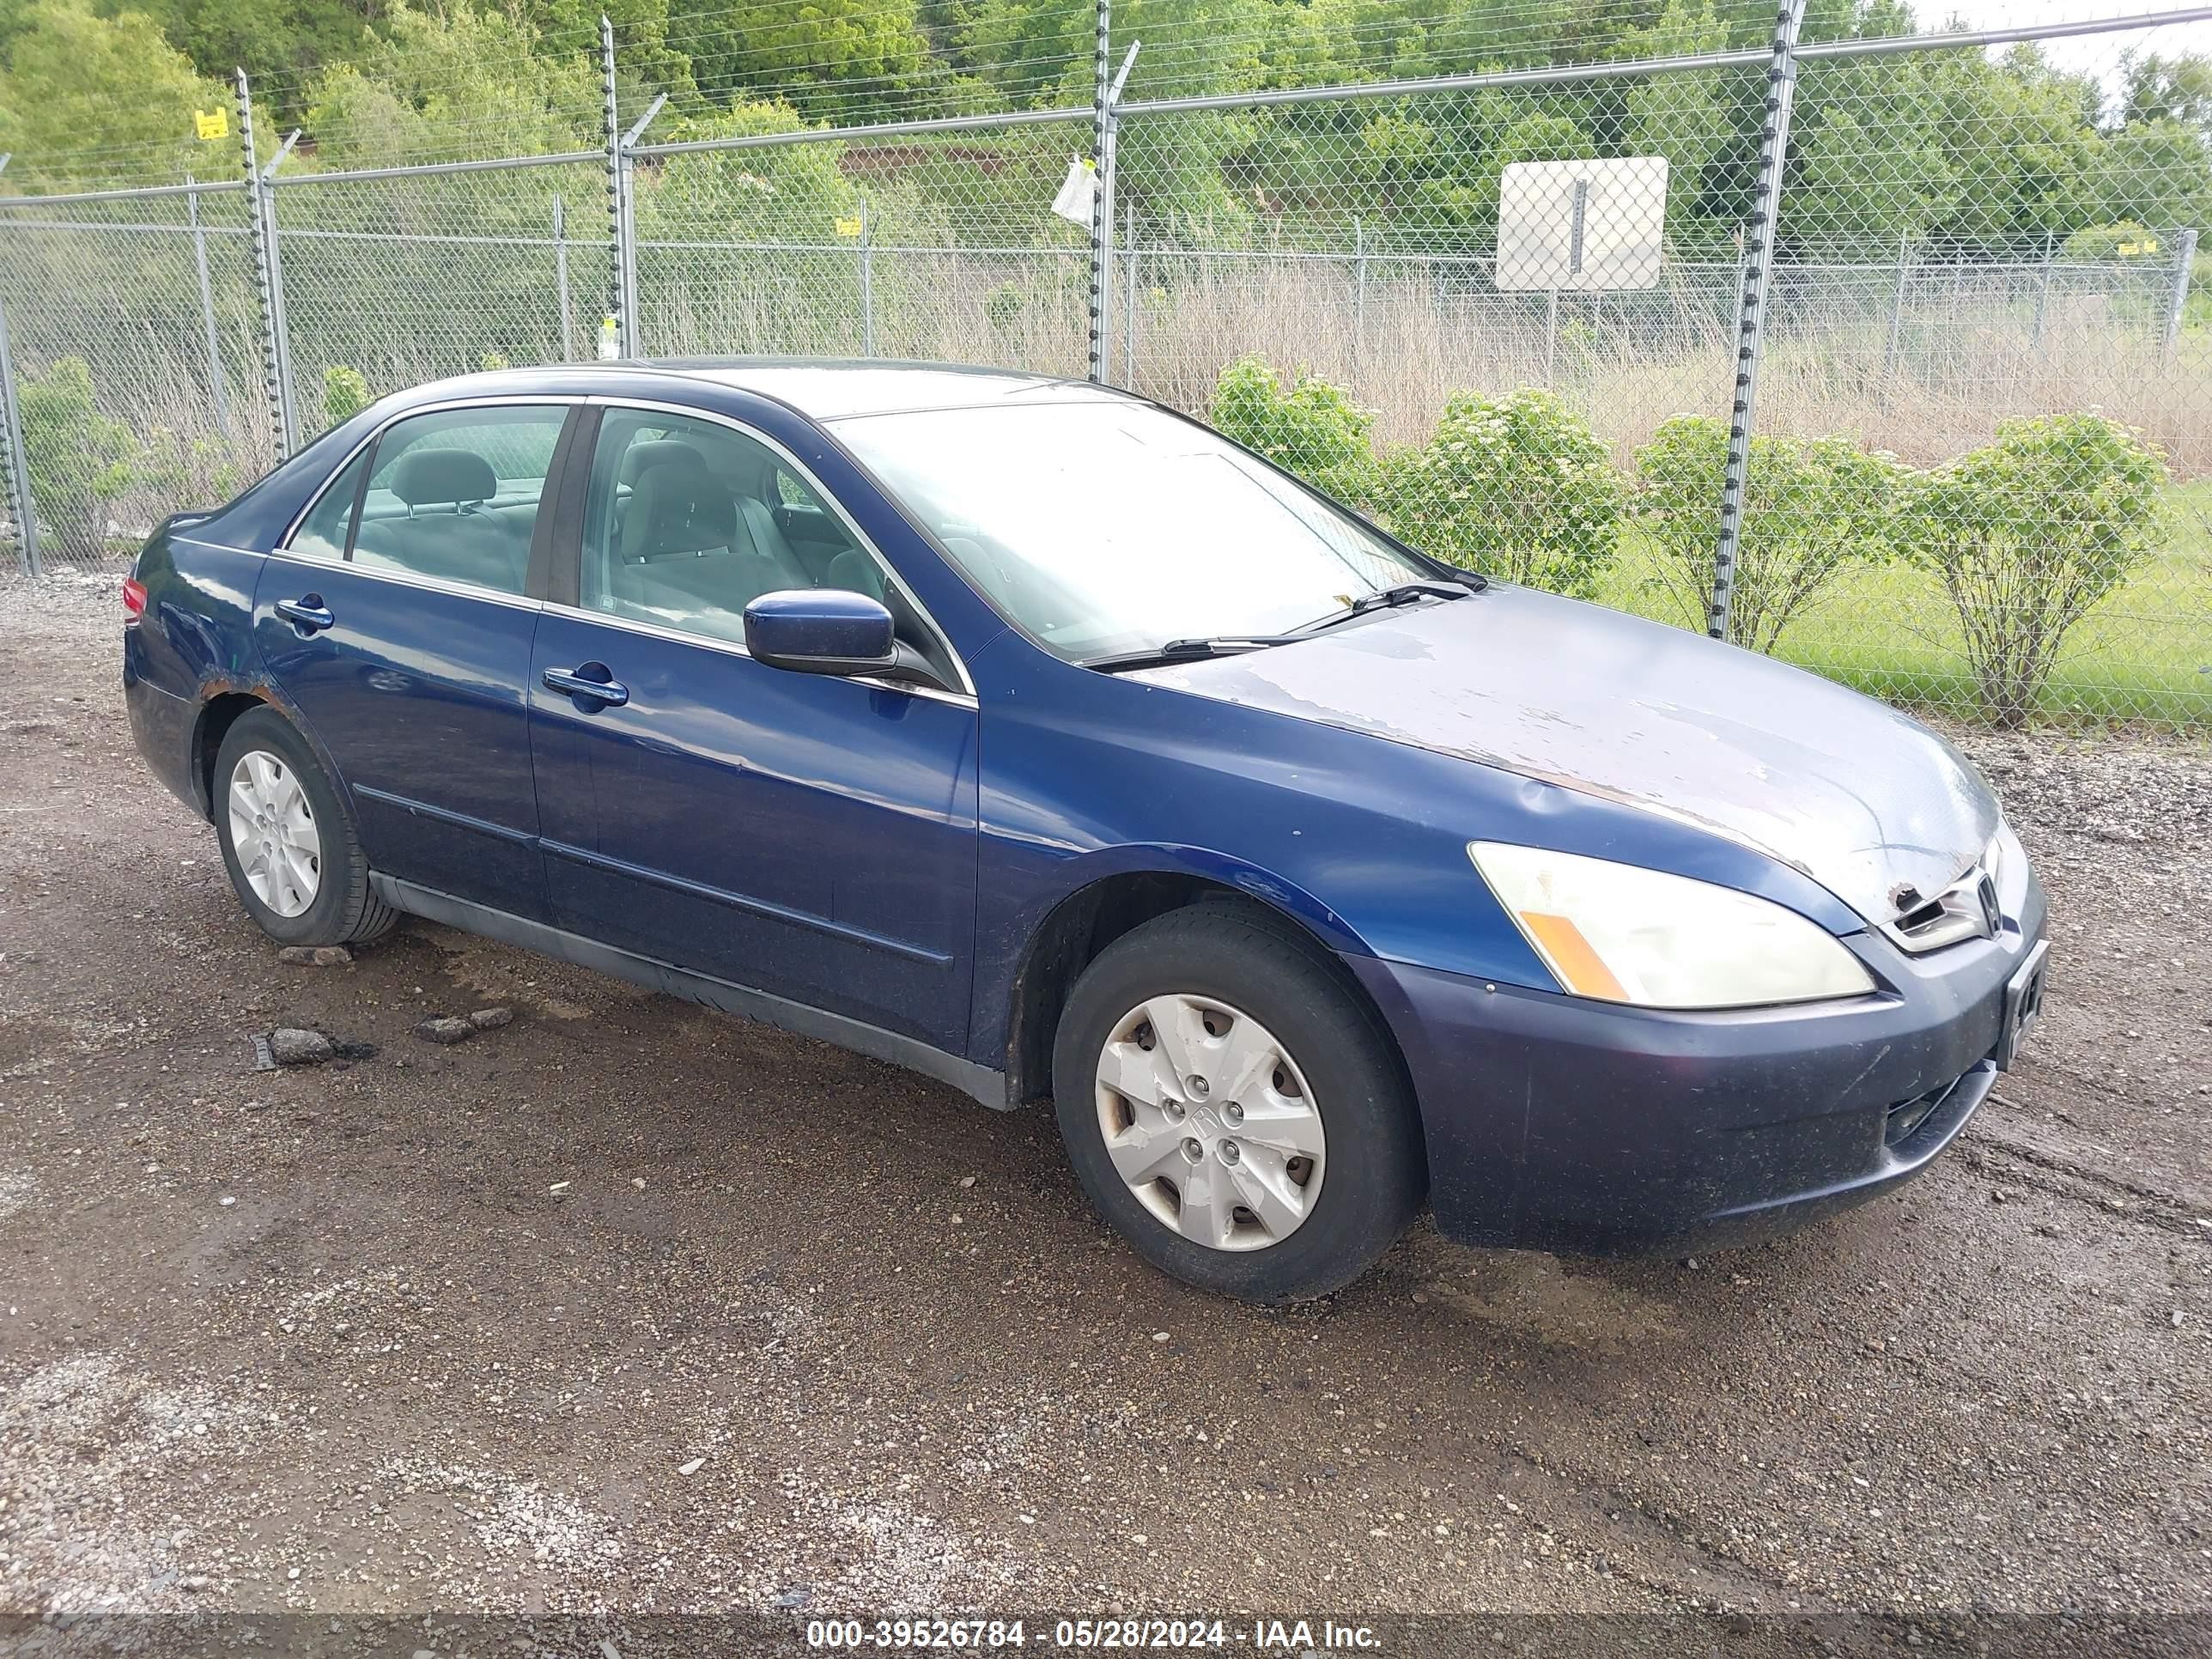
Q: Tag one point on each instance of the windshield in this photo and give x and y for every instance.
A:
(1104, 528)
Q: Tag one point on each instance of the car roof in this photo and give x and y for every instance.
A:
(830, 389)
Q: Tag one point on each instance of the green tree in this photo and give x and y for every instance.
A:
(1861, 190)
(793, 192)
(282, 41)
(1686, 118)
(458, 82)
(83, 95)
(2156, 172)
(2159, 86)
(834, 59)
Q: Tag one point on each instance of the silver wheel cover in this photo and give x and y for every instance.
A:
(1209, 1121)
(272, 830)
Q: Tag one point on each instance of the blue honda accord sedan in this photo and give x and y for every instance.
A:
(1031, 735)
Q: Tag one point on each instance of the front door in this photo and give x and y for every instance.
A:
(807, 836)
(397, 623)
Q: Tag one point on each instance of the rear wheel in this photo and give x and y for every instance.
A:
(1236, 1112)
(293, 854)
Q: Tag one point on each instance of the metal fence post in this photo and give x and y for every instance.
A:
(1758, 267)
(2183, 266)
(1129, 295)
(561, 280)
(2043, 288)
(218, 387)
(1359, 293)
(268, 281)
(20, 507)
(1102, 197)
(1897, 304)
(867, 284)
(622, 298)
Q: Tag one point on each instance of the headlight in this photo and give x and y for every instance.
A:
(1624, 934)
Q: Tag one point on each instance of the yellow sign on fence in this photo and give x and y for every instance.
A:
(849, 227)
(210, 125)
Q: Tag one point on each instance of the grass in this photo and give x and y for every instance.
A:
(2141, 658)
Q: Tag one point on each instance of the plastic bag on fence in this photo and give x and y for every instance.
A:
(1078, 192)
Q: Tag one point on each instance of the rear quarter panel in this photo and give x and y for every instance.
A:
(194, 641)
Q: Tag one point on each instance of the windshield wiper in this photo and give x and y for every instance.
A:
(1232, 644)
(1403, 593)
(1192, 650)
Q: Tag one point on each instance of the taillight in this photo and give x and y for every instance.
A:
(133, 596)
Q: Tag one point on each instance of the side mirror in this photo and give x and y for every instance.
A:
(830, 630)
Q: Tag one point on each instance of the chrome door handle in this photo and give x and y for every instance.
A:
(578, 684)
(308, 613)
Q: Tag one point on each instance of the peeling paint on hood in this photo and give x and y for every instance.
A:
(1856, 795)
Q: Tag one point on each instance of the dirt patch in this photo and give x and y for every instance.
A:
(800, 1331)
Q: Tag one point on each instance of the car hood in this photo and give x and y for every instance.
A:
(1856, 795)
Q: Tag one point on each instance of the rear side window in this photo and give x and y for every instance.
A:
(455, 494)
(328, 527)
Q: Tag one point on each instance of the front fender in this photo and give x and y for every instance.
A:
(1085, 870)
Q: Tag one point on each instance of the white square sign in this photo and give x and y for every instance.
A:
(1580, 226)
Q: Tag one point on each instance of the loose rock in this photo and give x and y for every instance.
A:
(446, 1028)
(490, 1019)
(314, 956)
(290, 1046)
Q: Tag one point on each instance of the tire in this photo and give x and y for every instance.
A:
(340, 909)
(1316, 1225)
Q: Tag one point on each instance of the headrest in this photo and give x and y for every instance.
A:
(855, 572)
(660, 452)
(434, 476)
(677, 509)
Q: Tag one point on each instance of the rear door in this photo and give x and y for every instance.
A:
(807, 836)
(397, 620)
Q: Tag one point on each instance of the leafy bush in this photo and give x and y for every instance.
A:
(175, 466)
(1517, 486)
(78, 459)
(2027, 534)
(1811, 507)
(1311, 428)
(1002, 306)
(345, 394)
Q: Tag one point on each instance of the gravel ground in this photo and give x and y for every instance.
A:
(625, 1307)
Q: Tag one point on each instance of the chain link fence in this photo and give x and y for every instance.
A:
(400, 277)
(132, 342)
(1802, 345)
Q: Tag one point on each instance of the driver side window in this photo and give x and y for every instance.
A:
(683, 527)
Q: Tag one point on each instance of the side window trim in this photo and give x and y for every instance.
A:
(360, 494)
(798, 468)
(556, 545)
(362, 454)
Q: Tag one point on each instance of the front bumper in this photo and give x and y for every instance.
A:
(1554, 1122)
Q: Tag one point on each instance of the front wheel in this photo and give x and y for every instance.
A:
(1236, 1112)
